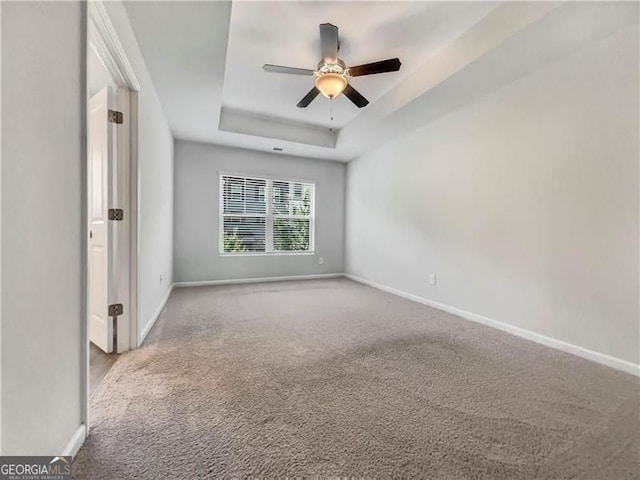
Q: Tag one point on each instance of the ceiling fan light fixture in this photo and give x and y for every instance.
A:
(331, 84)
(332, 72)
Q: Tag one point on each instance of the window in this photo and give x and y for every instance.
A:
(262, 215)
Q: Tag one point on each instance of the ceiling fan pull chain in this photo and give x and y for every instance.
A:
(331, 114)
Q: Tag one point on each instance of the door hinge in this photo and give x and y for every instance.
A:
(116, 214)
(116, 117)
(115, 309)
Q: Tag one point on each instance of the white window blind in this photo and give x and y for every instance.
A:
(265, 215)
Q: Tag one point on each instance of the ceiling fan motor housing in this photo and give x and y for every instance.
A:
(338, 67)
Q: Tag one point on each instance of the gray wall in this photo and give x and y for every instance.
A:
(524, 203)
(42, 214)
(196, 256)
(155, 170)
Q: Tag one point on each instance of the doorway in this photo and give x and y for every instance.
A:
(111, 203)
(105, 126)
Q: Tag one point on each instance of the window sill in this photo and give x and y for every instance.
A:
(265, 254)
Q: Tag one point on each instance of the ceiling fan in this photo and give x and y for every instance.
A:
(332, 73)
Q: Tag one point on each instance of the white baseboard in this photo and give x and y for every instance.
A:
(601, 358)
(76, 441)
(154, 317)
(257, 280)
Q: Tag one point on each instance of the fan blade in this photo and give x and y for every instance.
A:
(308, 98)
(391, 65)
(329, 42)
(353, 95)
(290, 70)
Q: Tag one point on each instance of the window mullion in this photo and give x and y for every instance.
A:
(269, 219)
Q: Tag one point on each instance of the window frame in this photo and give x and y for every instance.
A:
(268, 215)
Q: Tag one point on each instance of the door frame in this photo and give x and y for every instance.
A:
(102, 37)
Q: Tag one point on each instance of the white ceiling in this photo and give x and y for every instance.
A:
(184, 46)
(205, 60)
(368, 32)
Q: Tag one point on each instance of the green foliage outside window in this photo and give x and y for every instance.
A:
(233, 243)
(290, 235)
(293, 234)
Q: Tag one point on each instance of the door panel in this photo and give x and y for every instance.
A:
(101, 156)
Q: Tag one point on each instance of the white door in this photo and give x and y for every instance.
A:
(101, 159)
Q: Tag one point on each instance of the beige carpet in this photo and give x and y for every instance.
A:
(333, 378)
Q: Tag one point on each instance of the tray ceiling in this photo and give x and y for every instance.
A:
(205, 59)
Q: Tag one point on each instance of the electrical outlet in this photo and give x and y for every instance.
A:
(320, 261)
(432, 279)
